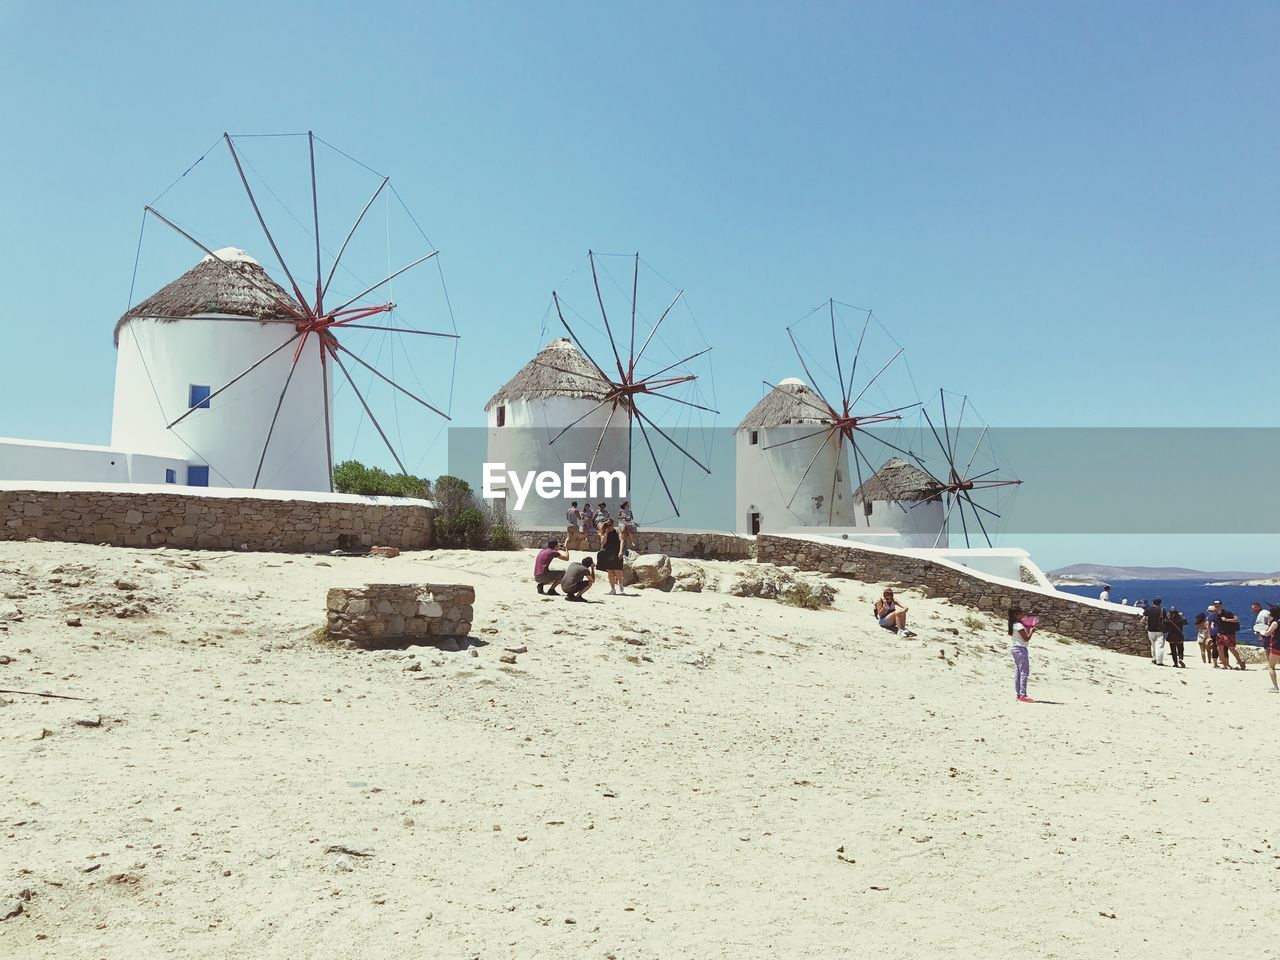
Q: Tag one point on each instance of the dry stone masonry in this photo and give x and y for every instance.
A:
(689, 544)
(131, 518)
(1116, 628)
(379, 613)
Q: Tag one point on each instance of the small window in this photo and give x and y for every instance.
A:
(755, 437)
(866, 508)
(199, 397)
(197, 475)
(753, 521)
(171, 476)
(502, 415)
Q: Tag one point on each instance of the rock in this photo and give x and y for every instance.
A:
(92, 720)
(475, 652)
(73, 621)
(9, 611)
(650, 571)
(126, 585)
(516, 649)
(507, 658)
(387, 552)
(342, 863)
(690, 581)
(5, 660)
(413, 666)
(10, 908)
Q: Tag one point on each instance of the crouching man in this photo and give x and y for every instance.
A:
(578, 578)
(543, 575)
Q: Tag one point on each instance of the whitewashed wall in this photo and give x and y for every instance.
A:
(917, 525)
(767, 480)
(522, 443)
(156, 364)
(40, 460)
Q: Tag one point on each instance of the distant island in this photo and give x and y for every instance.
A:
(1096, 574)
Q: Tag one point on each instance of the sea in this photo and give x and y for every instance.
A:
(1191, 597)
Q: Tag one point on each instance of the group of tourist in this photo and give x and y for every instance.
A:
(587, 520)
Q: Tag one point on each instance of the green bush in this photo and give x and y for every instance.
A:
(801, 594)
(352, 476)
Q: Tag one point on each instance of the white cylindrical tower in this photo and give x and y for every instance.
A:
(193, 337)
(553, 390)
(773, 490)
(903, 498)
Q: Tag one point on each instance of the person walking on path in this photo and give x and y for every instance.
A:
(1208, 651)
(1105, 596)
(1271, 646)
(1174, 621)
(1020, 629)
(1261, 620)
(1155, 630)
(1228, 627)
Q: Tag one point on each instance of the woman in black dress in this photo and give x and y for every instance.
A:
(609, 557)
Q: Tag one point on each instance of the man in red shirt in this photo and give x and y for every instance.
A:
(542, 572)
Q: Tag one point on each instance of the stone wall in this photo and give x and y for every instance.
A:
(136, 516)
(381, 612)
(1105, 625)
(691, 544)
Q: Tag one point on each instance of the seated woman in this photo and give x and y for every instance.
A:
(627, 525)
(892, 615)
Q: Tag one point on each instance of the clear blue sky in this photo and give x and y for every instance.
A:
(1065, 210)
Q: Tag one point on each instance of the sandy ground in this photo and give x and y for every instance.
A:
(668, 775)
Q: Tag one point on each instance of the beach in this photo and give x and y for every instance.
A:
(666, 775)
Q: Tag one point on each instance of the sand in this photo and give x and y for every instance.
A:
(667, 775)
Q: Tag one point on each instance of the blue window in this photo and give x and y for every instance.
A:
(199, 397)
(197, 476)
(171, 476)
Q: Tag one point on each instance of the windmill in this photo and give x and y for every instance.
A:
(631, 383)
(306, 324)
(840, 416)
(964, 476)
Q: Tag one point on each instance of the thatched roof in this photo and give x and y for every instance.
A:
(558, 370)
(791, 401)
(237, 286)
(897, 480)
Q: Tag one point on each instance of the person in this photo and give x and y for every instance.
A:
(891, 614)
(587, 518)
(1105, 595)
(1228, 627)
(1271, 646)
(602, 515)
(1212, 616)
(1261, 620)
(578, 578)
(627, 524)
(542, 572)
(1208, 649)
(609, 557)
(1021, 627)
(1174, 621)
(573, 522)
(1155, 630)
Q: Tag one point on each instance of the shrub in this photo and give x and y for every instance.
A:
(463, 520)
(973, 623)
(352, 476)
(802, 594)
